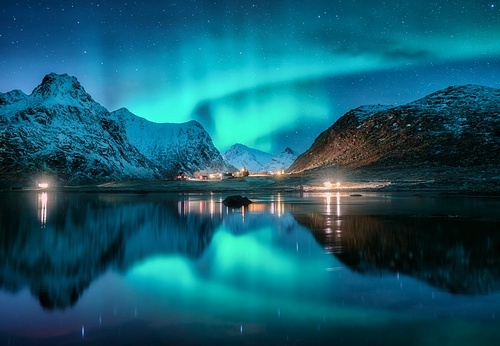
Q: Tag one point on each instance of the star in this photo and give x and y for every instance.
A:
(251, 73)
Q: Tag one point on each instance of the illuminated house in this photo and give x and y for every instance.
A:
(241, 173)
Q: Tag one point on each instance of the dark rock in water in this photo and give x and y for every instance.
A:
(356, 195)
(236, 201)
(443, 215)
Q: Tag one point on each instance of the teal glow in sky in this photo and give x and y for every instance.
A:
(268, 74)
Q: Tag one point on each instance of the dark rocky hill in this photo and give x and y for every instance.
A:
(456, 129)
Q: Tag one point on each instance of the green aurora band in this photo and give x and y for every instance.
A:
(268, 72)
(252, 71)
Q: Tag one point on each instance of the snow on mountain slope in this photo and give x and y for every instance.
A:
(11, 97)
(183, 147)
(255, 160)
(283, 160)
(61, 132)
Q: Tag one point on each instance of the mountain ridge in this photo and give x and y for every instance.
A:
(458, 126)
(255, 161)
(65, 135)
(185, 147)
(60, 133)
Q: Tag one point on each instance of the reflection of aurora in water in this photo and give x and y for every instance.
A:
(189, 260)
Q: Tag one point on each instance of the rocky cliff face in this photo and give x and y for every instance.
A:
(454, 127)
(183, 147)
(61, 132)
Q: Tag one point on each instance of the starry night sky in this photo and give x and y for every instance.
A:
(268, 74)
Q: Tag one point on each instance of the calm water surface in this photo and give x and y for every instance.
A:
(313, 269)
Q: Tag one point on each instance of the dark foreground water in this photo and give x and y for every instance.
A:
(182, 269)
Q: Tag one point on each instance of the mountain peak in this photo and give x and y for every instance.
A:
(61, 86)
(122, 110)
(175, 147)
(11, 96)
(240, 155)
(458, 94)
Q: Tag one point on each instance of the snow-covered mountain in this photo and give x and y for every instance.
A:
(255, 160)
(61, 132)
(283, 160)
(183, 147)
(455, 127)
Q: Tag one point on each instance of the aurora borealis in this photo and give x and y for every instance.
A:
(268, 74)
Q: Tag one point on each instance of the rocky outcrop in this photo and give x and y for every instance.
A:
(236, 201)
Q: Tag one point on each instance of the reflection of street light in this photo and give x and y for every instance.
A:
(328, 202)
(338, 204)
(42, 206)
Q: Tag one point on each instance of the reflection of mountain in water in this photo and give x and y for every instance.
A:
(58, 244)
(459, 255)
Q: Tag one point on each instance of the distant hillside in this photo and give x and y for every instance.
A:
(255, 160)
(455, 127)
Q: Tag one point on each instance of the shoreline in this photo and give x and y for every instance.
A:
(276, 184)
